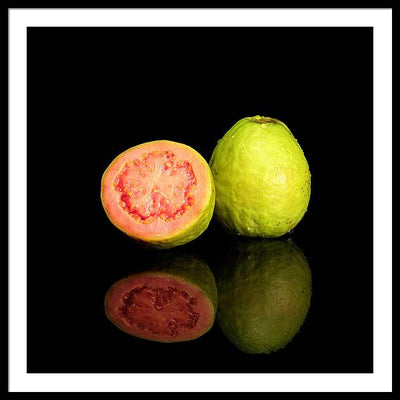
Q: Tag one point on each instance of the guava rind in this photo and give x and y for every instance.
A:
(262, 179)
(184, 267)
(264, 294)
(188, 232)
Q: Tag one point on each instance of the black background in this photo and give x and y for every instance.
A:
(94, 92)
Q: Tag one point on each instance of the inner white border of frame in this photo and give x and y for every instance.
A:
(381, 379)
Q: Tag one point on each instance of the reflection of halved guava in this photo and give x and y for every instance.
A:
(160, 193)
(262, 179)
(264, 294)
(173, 301)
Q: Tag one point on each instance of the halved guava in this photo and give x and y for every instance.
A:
(262, 178)
(160, 193)
(173, 301)
(264, 291)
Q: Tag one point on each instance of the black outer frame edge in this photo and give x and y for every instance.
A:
(200, 4)
(5, 170)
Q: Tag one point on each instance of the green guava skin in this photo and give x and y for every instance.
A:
(264, 295)
(185, 267)
(262, 179)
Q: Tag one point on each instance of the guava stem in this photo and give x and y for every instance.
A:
(264, 120)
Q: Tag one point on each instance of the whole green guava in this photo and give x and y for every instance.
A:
(262, 178)
(264, 293)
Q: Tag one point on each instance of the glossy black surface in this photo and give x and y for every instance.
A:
(92, 93)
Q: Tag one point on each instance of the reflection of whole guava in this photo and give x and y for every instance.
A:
(262, 178)
(264, 292)
(172, 299)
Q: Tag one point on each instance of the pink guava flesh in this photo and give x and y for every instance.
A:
(155, 185)
(159, 307)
